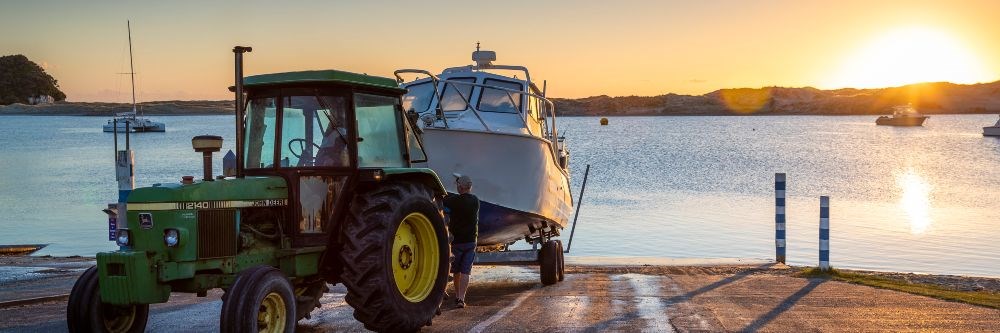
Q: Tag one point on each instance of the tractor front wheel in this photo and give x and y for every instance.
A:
(260, 300)
(395, 257)
(85, 311)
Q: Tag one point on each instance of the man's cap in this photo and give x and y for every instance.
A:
(462, 179)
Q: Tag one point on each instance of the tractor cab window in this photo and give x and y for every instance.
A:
(261, 118)
(313, 131)
(379, 129)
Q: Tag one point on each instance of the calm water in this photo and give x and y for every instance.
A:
(903, 199)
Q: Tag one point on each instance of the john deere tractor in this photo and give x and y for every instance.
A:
(323, 192)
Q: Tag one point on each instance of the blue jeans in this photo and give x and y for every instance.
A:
(464, 254)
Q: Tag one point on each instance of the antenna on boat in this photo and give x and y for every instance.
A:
(131, 66)
(483, 59)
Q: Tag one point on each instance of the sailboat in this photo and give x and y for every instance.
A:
(131, 121)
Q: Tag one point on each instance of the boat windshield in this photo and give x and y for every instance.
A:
(418, 97)
(313, 132)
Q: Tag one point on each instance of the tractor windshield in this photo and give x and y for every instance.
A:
(313, 131)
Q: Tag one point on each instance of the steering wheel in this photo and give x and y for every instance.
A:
(302, 144)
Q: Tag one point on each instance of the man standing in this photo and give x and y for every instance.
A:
(464, 226)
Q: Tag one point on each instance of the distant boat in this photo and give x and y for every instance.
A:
(992, 130)
(902, 116)
(130, 121)
(20, 250)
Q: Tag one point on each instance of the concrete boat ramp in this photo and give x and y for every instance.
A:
(620, 294)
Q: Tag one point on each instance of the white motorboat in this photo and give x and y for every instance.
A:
(903, 115)
(130, 121)
(992, 130)
(500, 131)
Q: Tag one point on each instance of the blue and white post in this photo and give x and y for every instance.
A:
(779, 217)
(824, 233)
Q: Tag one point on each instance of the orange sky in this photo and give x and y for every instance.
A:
(583, 48)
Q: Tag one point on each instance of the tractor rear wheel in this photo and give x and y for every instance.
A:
(260, 300)
(395, 257)
(86, 313)
(548, 263)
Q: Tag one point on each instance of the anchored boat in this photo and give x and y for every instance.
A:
(501, 131)
(129, 121)
(902, 116)
(992, 130)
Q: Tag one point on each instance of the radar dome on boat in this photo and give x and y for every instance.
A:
(484, 58)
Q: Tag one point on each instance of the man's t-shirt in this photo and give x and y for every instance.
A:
(464, 223)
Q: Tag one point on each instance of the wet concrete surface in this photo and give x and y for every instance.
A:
(611, 298)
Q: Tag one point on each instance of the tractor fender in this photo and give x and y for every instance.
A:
(424, 176)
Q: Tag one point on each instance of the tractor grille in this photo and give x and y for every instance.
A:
(216, 233)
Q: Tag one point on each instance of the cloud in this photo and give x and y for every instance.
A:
(697, 81)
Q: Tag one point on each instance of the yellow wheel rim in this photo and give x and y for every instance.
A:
(271, 314)
(118, 318)
(415, 257)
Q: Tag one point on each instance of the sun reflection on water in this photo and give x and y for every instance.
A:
(916, 200)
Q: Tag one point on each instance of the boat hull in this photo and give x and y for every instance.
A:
(20, 250)
(991, 131)
(150, 127)
(900, 121)
(517, 180)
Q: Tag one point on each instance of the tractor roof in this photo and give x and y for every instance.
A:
(322, 76)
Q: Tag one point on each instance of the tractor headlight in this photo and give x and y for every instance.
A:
(171, 237)
(124, 237)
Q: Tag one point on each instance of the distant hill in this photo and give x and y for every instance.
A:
(929, 98)
(22, 79)
(108, 109)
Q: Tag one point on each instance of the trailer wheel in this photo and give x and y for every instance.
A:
(548, 263)
(562, 261)
(261, 300)
(307, 298)
(86, 313)
(395, 257)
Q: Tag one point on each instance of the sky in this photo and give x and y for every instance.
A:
(182, 49)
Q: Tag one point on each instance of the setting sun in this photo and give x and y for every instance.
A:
(910, 55)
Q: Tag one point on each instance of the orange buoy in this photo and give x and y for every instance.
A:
(604, 121)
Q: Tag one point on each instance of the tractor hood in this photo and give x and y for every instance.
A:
(223, 193)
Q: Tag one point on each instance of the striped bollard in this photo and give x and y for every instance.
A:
(824, 233)
(779, 217)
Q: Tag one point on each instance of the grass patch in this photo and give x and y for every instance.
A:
(981, 298)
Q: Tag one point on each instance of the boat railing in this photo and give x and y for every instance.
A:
(547, 109)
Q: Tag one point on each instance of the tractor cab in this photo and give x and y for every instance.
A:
(323, 132)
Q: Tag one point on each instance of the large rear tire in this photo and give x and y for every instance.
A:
(260, 300)
(548, 263)
(395, 257)
(85, 312)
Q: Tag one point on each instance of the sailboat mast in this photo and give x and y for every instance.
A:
(131, 66)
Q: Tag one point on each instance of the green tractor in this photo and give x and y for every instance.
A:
(323, 192)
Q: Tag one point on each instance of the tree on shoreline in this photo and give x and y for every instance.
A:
(21, 78)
